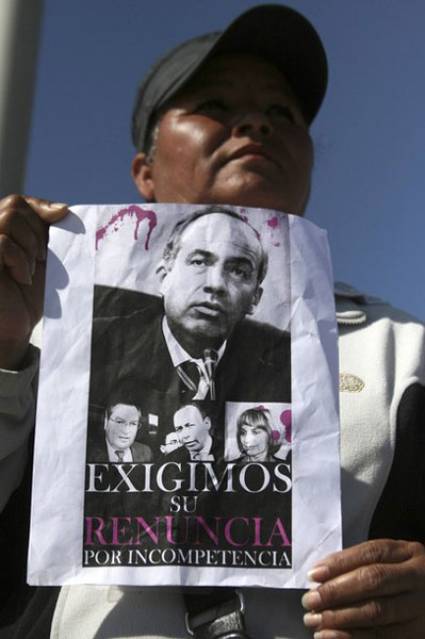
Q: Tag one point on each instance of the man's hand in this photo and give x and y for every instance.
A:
(375, 590)
(24, 225)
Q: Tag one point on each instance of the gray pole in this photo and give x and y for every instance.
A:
(19, 34)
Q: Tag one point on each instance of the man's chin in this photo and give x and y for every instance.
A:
(256, 190)
(207, 329)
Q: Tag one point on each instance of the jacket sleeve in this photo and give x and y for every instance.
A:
(17, 413)
(382, 401)
(400, 512)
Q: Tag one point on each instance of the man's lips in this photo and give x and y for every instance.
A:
(211, 309)
(252, 151)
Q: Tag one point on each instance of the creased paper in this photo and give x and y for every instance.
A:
(187, 423)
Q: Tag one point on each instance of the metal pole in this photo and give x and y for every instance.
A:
(19, 34)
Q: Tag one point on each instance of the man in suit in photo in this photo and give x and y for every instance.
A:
(121, 425)
(171, 443)
(193, 429)
(196, 343)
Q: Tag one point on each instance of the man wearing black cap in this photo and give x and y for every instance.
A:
(224, 120)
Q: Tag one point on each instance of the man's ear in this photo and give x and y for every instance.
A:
(207, 423)
(255, 300)
(161, 271)
(141, 172)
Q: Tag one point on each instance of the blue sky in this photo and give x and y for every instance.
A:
(368, 187)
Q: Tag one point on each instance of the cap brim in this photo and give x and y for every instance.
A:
(274, 32)
(278, 34)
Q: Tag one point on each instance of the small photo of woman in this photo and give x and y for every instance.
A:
(260, 433)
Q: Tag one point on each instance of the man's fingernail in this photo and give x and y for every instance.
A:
(319, 573)
(58, 205)
(312, 619)
(311, 600)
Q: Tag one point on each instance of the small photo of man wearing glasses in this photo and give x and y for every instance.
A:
(122, 422)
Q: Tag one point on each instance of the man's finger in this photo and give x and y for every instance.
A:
(13, 257)
(50, 212)
(352, 634)
(413, 630)
(341, 634)
(26, 230)
(371, 613)
(370, 552)
(47, 210)
(25, 220)
(366, 582)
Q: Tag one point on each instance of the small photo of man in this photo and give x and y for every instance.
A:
(193, 430)
(171, 443)
(117, 443)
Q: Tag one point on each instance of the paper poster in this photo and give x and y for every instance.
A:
(193, 436)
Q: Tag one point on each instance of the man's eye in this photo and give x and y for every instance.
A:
(281, 111)
(211, 106)
(198, 261)
(240, 272)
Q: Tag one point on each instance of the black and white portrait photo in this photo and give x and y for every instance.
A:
(258, 433)
(190, 372)
(114, 438)
(196, 337)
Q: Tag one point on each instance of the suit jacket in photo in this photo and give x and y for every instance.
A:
(255, 367)
(97, 451)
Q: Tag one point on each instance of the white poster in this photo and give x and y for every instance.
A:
(187, 425)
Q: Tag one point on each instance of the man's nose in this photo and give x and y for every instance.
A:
(215, 280)
(252, 123)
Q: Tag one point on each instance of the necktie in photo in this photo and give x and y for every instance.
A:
(190, 375)
(210, 364)
(120, 455)
(199, 379)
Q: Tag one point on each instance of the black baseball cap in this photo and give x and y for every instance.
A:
(273, 32)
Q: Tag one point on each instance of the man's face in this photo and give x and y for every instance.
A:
(233, 135)
(171, 444)
(121, 426)
(191, 428)
(213, 281)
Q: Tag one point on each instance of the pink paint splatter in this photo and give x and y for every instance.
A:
(132, 211)
(286, 419)
(245, 218)
(275, 435)
(273, 222)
